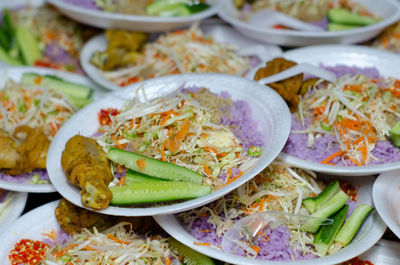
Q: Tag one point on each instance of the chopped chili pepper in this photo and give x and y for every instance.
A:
(105, 114)
(29, 252)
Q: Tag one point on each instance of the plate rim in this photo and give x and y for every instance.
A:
(380, 203)
(19, 203)
(190, 204)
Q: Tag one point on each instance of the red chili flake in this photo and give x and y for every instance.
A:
(358, 261)
(28, 252)
(105, 114)
(349, 189)
(130, 81)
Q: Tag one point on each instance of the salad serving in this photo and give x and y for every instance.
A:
(100, 239)
(31, 112)
(389, 39)
(41, 37)
(288, 190)
(351, 123)
(180, 146)
(329, 15)
(183, 51)
(161, 8)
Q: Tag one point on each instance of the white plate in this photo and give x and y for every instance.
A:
(330, 55)
(107, 20)
(386, 195)
(15, 73)
(388, 10)
(370, 232)
(214, 28)
(28, 226)
(13, 211)
(385, 252)
(268, 109)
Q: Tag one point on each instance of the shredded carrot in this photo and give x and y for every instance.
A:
(62, 252)
(163, 152)
(141, 163)
(205, 231)
(52, 235)
(38, 80)
(235, 178)
(89, 248)
(207, 170)
(115, 239)
(201, 244)
(255, 248)
(354, 161)
(168, 261)
(329, 158)
(122, 181)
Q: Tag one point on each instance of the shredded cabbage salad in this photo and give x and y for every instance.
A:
(358, 111)
(36, 107)
(277, 188)
(177, 129)
(183, 51)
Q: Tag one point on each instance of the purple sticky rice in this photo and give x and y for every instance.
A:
(59, 56)
(25, 178)
(327, 145)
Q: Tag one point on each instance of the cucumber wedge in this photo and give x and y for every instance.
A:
(4, 57)
(313, 203)
(68, 88)
(28, 45)
(153, 167)
(346, 17)
(350, 228)
(160, 191)
(135, 177)
(190, 256)
(340, 27)
(325, 236)
(395, 134)
(326, 210)
(156, 7)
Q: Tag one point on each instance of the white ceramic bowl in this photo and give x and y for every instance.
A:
(388, 10)
(214, 28)
(370, 232)
(14, 209)
(268, 109)
(108, 20)
(386, 195)
(330, 55)
(16, 73)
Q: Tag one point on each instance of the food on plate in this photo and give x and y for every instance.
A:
(86, 166)
(183, 51)
(284, 189)
(389, 39)
(357, 261)
(113, 240)
(31, 113)
(179, 146)
(41, 37)
(330, 15)
(161, 8)
(289, 89)
(349, 123)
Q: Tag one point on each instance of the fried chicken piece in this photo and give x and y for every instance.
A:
(73, 219)
(9, 156)
(28, 151)
(289, 88)
(87, 167)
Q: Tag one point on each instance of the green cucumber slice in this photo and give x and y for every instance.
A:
(346, 17)
(8, 59)
(340, 27)
(190, 256)
(153, 167)
(68, 88)
(156, 7)
(28, 45)
(326, 235)
(135, 177)
(313, 203)
(350, 228)
(160, 191)
(395, 134)
(326, 209)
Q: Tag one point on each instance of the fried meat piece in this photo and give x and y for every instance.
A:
(289, 88)
(73, 219)
(87, 167)
(9, 156)
(25, 152)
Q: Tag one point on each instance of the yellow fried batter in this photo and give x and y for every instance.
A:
(73, 219)
(87, 167)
